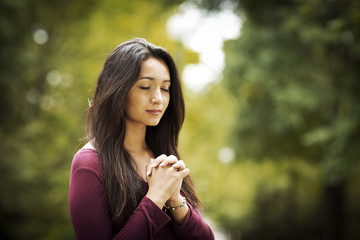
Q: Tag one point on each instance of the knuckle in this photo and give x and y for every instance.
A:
(161, 157)
(173, 157)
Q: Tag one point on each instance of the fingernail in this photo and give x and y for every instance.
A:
(162, 164)
(148, 172)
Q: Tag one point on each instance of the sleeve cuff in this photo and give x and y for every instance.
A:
(185, 224)
(193, 226)
(156, 216)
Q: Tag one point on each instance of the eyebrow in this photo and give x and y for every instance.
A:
(151, 78)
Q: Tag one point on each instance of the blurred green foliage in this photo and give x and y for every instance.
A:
(50, 55)
(294, 72)
(288, 105)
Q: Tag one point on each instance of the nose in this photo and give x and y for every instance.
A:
(157, 97)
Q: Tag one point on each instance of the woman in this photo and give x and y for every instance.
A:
(127, 182)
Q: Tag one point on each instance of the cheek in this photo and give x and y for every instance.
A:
(167, 101)
(133, 99)
(130, 104)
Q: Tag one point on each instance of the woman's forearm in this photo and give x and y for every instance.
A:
(181, 210)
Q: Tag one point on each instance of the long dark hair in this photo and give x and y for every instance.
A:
(106, 124)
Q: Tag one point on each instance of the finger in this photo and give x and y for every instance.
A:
(158, 160)
(184, 173)
(180, 165)
(149, 167)
(169, 161)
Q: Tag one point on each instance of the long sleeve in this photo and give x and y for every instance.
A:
(90, 216)
(89, 211)
(193, 227)
(146, 222)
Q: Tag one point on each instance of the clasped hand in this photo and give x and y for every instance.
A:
(164, 176)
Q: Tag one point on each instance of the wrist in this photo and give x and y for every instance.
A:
(176, 207)
(175, 201)
(157, 199)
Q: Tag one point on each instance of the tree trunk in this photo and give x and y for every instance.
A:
(334, 212)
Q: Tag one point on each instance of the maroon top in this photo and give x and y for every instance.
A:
(90, 214)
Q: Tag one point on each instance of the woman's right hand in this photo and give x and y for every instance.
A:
(164, 180)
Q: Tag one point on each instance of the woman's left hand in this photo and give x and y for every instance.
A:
(168, 161)
(163, 161)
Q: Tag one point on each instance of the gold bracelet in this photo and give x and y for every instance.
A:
(177, 207)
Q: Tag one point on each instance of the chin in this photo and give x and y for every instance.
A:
(153, 123)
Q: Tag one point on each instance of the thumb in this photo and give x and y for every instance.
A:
(149, 167)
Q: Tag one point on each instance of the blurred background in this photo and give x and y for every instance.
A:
(272, 133)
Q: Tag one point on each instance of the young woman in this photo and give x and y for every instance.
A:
(127, 182)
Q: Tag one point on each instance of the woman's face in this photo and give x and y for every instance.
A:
(149, 97)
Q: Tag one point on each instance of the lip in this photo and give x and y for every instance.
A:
(155, 112)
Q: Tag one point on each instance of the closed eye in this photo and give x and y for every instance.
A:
(145, 88)
(165, 89)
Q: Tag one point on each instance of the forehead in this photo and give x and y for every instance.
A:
(154, 68)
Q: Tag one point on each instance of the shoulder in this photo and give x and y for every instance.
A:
(87, 159)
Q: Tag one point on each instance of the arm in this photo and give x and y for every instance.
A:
(187, 222)
(88, 208)
(144, 223)
(193, 227)
(90, 216)
(179, 214)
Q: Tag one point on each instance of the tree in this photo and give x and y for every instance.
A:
(294, 70)
(50, 55)
(31, 33)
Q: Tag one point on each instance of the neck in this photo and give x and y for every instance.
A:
(135, 138)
